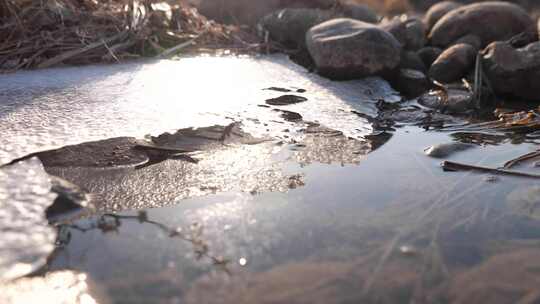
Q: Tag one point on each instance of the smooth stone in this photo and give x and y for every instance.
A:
(289, 26)
(490, 21)
(429, 54)
(513, 71)
(358, 11)
(411, 83)
(345, 48)
(451, 100)
(447, 149)
(453, 63)
(410, 32)
(411, 60)
(471, 40)
(437, 11)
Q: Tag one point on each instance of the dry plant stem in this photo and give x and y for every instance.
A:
(454, 166)
(174, 50)
(509, 164)
(478, 81)
(64, 56)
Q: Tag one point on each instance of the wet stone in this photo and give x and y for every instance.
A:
(447, 149)
(453, 63)
(449, 100)
(286, 100)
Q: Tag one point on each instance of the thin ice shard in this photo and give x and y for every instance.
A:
(26, 239)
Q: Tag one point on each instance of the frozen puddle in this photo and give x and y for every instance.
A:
(48, 109)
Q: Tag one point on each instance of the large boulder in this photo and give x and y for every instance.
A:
(437, 11)
(489, 21)
(289, 26)
(453, 63)
(346, 48)
(513, 71)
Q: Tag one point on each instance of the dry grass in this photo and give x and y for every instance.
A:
(52, 32)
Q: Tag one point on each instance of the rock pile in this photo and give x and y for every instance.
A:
(446, 45)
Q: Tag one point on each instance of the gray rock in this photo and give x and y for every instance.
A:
(346, 48)
(437, 11)
(429, 54)
(289, 26)
(358, 11)
(411, 32)
(513, 71)
(490, 21)
(453, 63)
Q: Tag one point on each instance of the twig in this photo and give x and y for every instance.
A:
(175, 49)
(454, 166)
(110, 51)
(64, 56)
(477, 96)
(521, 158)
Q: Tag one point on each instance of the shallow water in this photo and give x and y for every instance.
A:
(300, 218)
